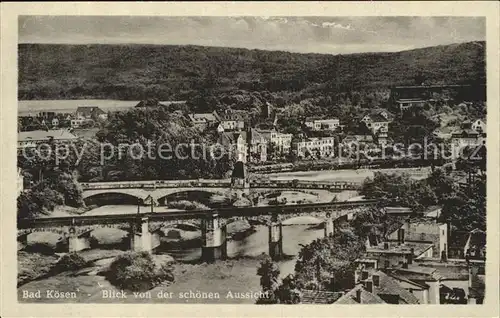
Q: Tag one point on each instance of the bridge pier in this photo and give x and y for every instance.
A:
(329, 226)
(76, 243)
(140, 238)
(275, 238)
(214, 234)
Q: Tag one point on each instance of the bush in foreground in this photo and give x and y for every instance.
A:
(138, 272)
(70, 262)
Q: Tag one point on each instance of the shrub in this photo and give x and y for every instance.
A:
(70, 262)
(137, 272)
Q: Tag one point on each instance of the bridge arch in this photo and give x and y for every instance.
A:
(167, 194)
(114, 196)
(303, 220)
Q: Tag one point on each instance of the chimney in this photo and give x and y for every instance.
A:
(410, 257)
(364, 275)
(369, 286)
(401, 236)
(376, 280)
(358, 295)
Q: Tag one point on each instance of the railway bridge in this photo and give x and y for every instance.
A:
(145, 229)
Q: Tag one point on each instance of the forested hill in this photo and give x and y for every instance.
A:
(136, 72)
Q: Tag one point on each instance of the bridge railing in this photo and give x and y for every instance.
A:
(156, 184)
(183, 215)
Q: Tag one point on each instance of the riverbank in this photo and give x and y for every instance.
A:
(221, 282)
(237, 275)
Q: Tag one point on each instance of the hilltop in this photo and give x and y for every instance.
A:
(166, 72)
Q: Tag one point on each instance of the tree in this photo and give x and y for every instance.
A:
(269, 274)
(329, 258)
(466, 210)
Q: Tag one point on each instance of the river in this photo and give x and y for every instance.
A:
(351, 175)
(257, 243)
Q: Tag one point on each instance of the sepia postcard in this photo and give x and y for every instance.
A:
(250, 159)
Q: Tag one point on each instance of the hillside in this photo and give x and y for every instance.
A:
(134, 72)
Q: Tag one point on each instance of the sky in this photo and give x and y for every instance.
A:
(330, 35)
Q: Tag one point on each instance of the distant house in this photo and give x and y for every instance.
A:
(478, 125)
(30, 139)
(467, 138)
(317, 124)
(280, 142)
(204, 120)
(315, 147)
(233, 119)
(55, 122)
(444, 132)
(90, 112)
(443, 282)
(357, 139)
(377, 120)
(236, 144)
(376, 287)
(423, 232)
(404, 104)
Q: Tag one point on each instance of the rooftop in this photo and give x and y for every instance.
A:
(319, 297)
(365, 297)
(405, 248)
(39, 135)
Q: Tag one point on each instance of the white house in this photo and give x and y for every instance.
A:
(479, 126)
(322, 124)
(30, 139)
(318, 147)
(378, 120)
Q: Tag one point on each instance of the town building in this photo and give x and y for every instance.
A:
(204, 120)
(443, 281)
(376, 287)
(467, 138)
(423, 232)
(90, 112)
(357, 139)
(444, 133)
(233, 120)
(315, 147)
(30, 139)
(78, 122)
(279, 142)
(257, 146)
(479, 126)
(235, 143)
(317, 124)
(377, 120)
(407, 103)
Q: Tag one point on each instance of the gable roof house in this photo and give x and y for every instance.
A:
(233, 119)
(204, 120)
(90, 112)
(376, 287)
(377, 120)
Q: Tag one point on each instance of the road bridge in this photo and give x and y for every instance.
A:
(145, 229)
(159, 190)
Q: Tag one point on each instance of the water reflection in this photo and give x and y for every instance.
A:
(255, 244)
